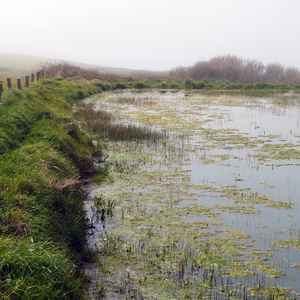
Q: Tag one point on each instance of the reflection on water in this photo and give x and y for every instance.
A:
(238, 156)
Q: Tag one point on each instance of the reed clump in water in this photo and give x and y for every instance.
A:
(101, 121)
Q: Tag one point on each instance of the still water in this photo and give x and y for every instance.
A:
(213, 210)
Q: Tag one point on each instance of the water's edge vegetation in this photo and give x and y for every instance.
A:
(45, 156)
(167, 236)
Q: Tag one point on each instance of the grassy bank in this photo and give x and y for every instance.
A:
(43, 156)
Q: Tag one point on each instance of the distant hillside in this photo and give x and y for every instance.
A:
(19, 65)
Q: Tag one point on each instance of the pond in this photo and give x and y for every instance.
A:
(211, 210)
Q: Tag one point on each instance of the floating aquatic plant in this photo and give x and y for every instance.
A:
(178, 235)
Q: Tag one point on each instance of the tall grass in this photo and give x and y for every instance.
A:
(102, 122)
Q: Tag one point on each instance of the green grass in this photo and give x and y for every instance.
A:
(36, 270)
(43, 156)
(178, 84)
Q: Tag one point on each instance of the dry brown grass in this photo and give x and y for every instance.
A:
(69, 184)
(67, 70)
(103, 121)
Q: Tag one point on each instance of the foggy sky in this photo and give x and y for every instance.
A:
(152, 34)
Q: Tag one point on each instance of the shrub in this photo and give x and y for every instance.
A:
(175, 83)
(119, 86)
(140, 85)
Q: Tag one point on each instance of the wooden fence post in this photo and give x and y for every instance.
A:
(27, 81)
(38, 75)
(19, 83)
(9, 83)
(1, 89)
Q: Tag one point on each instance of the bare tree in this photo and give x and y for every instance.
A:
(253, 71)
(179, 72)
(228, 67)
(201, 70)
(274, 73)
(291, 76)
(234, 69)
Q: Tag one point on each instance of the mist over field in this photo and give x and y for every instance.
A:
(222, 69)
(153, 35)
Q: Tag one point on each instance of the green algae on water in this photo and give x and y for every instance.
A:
(193, 216)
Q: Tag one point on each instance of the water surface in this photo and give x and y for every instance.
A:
(213, 209)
